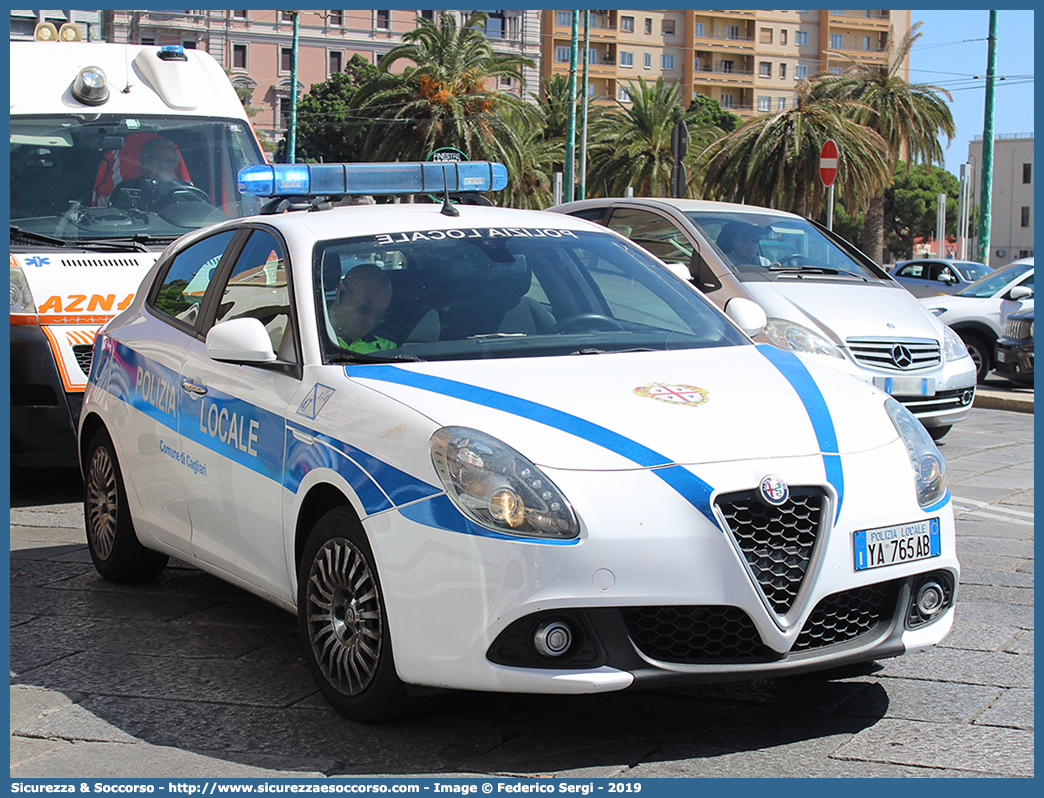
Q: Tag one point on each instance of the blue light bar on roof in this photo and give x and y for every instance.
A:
(330, 179)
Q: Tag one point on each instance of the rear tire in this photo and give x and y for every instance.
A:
(980, 353)
(344, 623)
(117, 554)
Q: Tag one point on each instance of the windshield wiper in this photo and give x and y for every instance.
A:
(360, 357)
(815, 270)
(131, 242)
(613, 351)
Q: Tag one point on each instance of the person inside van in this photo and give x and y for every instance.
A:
(157, 181)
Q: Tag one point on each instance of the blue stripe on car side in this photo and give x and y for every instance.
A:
(790, 366)
(939, 504)
(692, 488)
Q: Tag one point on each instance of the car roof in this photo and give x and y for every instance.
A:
(683, 205)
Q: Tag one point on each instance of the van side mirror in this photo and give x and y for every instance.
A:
(242, 340)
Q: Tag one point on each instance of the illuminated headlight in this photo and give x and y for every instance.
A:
(790, 335)
(90, 86)
(928, 464)
(21, 297)
(953, 346)
(498, 488)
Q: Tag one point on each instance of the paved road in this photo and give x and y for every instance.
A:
(192, 677)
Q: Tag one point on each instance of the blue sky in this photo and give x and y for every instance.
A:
(952, 52)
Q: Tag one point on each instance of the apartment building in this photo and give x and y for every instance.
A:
(749, 61)
(1011, 206)
(255, 46)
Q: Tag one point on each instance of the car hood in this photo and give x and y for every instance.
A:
(859, 310)
(595, 412)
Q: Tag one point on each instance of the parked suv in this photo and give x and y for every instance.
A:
(1014, 354)
(822, 296)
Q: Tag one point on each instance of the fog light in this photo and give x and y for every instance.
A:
(929, 599)
(552, 638)
(967, 396)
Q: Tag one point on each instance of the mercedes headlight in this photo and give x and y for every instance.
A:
(790, 335)
(953, 346)
(498, 488)
(928, 464)
(21, 296)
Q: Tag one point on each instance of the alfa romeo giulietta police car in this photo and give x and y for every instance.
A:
(488, 449)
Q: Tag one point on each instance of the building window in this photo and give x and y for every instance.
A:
(1027, 173)
(732, 32)
(648, 26)
(623, 95)
(795, 102)
(626, 59)
(836, 41)
(667, 27)
(696, 64)
(1025, 253)
(801, 38)
(286, 55)
(866, 42)
(592, 56)
(765, 69)
(800, 72)
(648, 61)
(728, 66)
(336, 61)
(284, 113)
(428, 16)
(335, 19)
(383, 20)
(697, 30)
(287, 16)
(239, 56)
(189, 45)
(782, 37)
(726, 101)
(782, 103)
(782, 71)
(564, 19)
(836, 70)
(1025, 217)
(765, 36)
(666, 61)
(148, 41)
(561, 54)
(627, 24)
(764, 103)
(506, 82)
(239, 15)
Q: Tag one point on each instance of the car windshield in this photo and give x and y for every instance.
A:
(769, 247)
(970, 270)
(106, 176)
(498, 293)
(995, 281)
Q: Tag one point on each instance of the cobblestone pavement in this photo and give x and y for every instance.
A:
(192, 677)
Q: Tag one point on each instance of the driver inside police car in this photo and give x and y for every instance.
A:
(362, 300)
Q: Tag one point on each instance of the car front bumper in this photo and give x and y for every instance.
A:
(462, 608)
(1014, 359)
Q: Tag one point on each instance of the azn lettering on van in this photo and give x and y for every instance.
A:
(81, 303)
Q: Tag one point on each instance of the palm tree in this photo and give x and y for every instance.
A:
(773, 159)
(442, 100)
(530, 163)
(553, 102)
(632, 142)
(908, 116)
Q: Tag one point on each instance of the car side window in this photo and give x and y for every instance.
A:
(590, 214)
(914, 270)
(1027, 281)
(653, 232)
(258, 286)
(182, 288)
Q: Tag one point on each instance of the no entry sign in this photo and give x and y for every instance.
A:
(828, 163)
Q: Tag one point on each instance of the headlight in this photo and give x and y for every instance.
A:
(21, 297)
(938, 311)
(928, 464)
(498, 488)
(790, 335)
(953, 346)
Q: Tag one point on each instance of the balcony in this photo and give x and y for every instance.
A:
(716, 76)
(733, 44)
(191, 20)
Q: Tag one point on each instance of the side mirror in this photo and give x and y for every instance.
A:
(947, 278)
(680, 270)
(243, 340)
(748, 315)
(1020, 292)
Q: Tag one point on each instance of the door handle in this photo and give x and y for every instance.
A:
(303, 437)
(192, 389)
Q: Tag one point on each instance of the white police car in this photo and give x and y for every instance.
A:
(489, 449)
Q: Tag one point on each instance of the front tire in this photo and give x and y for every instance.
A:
(980, 354)
(115, 550)
(343, 622)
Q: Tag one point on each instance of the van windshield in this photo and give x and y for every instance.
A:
(761, 246)
(105, 176)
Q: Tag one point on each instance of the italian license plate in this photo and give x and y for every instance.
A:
(1002, 356)
(891, 545)
(906, 386)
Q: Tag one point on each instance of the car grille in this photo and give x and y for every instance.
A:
(943, 400)
(848, 615)
(881, 353)
(83, 354)
(777, 542)
(696, 634)
(1017, 329)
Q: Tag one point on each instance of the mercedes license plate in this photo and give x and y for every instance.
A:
(891, 545)
(906, 386)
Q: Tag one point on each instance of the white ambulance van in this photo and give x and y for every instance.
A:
(116, 151)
